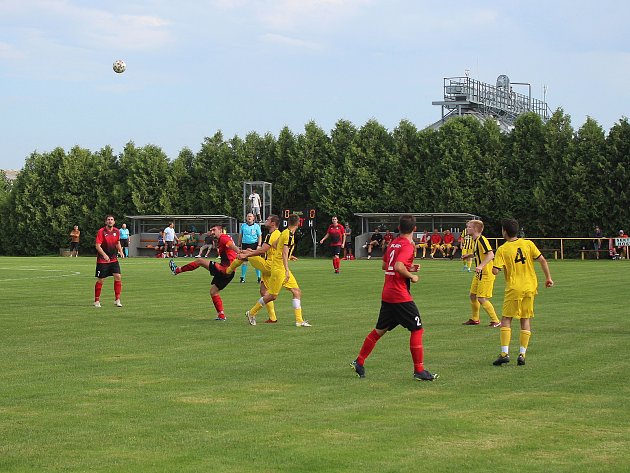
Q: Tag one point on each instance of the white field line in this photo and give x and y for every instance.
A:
(72, 273)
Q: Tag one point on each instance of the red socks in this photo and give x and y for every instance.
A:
(218, 303)
(368, 345)
(97, 290)
(417, 352)
(117, 289)
(187, 267)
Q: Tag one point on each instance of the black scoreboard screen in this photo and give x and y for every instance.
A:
(307, 217)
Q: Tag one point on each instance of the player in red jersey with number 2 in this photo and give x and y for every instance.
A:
(397, 305)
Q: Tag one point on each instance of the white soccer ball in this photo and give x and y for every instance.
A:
(119, 66)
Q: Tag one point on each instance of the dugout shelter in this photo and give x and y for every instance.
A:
(369, 222)
(144, 229)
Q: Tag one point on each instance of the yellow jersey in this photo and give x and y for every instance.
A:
(516, 259)
(286, 238)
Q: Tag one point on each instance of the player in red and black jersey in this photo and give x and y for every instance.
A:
(337, 235)
(227, 252)
(107, 250)
(397, 305)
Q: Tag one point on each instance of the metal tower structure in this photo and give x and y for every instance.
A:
(467, 96)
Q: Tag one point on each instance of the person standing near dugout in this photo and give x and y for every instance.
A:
(397, 305)
(107, 251)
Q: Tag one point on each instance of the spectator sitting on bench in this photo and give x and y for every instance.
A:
(208, 244)
(436, 243)
(387, 239)
(447, 246)
(376, 240)
(423, 244)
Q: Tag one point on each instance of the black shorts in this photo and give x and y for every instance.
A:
(220, 279)
(105, 270)
(401, 313)
(250, 246)
(169, 246)
(336, 250)
(74, 245)
(124, 242)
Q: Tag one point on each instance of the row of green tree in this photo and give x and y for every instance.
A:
(555, 180)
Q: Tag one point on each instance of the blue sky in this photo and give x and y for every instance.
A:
(195, 67)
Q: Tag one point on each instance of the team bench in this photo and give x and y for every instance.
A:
(585, 252)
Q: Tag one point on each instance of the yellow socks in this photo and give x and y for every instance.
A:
(506, 334)
(297, 310)
(489, 308)
(524, 339)
(271, 310)
(257, 306)
(475, 309)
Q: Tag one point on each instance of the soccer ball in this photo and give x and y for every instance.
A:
(119, 66)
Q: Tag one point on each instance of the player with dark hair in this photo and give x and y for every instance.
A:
(260, 258)
(516, 259)
(280, 275)
(107, 251)
(227, 252)
(397, 305)
(337, 234)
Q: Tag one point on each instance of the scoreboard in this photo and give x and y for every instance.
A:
(307, 217)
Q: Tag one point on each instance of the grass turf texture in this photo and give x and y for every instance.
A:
(158, 385)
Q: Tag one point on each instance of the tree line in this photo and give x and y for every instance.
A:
(555, 180)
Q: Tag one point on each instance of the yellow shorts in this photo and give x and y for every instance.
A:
(466, 251)
(260, 264)
(521, 308)
(276, 282)
(482, 288)
(421, 245)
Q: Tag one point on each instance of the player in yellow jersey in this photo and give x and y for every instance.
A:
(483, 280)
(260, 259)
(516, 259)
(279, 274)
(466, 245)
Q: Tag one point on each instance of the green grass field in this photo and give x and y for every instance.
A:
(159, 386)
